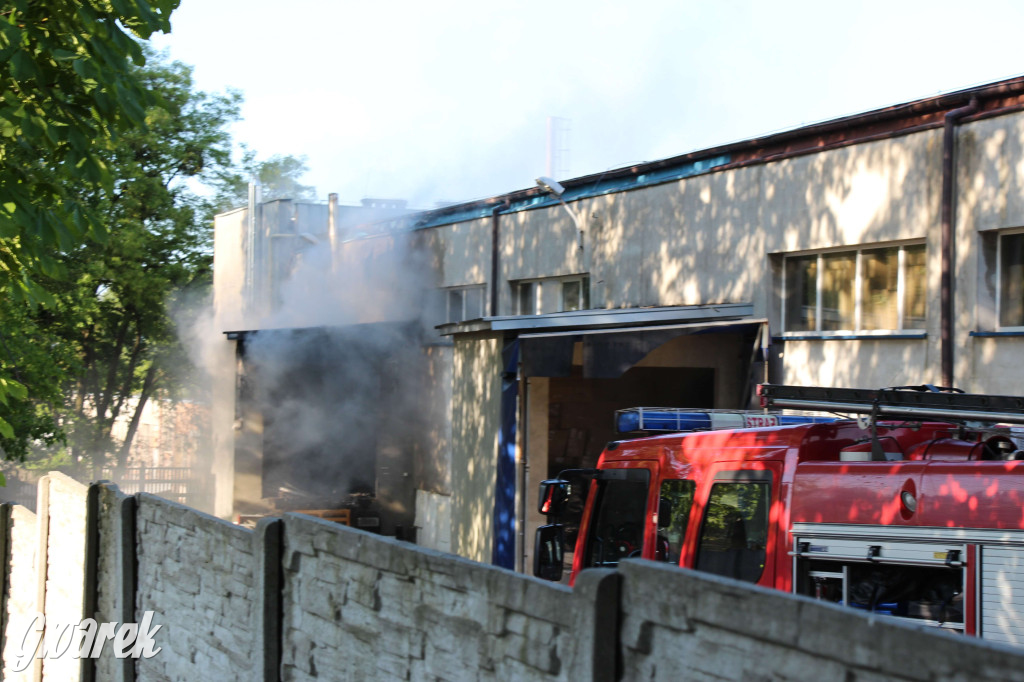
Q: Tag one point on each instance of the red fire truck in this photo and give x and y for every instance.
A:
(914, 509)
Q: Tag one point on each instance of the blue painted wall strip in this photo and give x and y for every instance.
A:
(504, 554)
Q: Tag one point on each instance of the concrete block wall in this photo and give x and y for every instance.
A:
(360, 607)
(197, 573)
(705, 627)
(303, 599)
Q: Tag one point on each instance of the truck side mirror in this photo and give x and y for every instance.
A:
(547, 552)
(552, 496)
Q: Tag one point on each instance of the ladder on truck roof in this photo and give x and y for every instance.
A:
(904, 402)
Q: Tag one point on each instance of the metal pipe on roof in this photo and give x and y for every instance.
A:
(948, 248)
(332, 228)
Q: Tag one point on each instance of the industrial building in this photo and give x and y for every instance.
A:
(458, 356)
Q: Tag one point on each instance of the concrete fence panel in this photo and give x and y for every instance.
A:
(115, 576)
(63, 574)
(359, 607)
(304, 599)
(197, 574)
(680, 624)
(20, 582)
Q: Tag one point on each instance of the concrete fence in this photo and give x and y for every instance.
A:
(303, 599)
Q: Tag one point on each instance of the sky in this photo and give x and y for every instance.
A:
(450, 100)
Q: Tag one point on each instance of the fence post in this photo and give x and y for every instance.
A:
(8, 559)
(597, 628)
(269, 538)
(42, 557)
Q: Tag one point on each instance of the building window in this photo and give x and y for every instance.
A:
(1011, 280)
(526, 298)
(576, 293)
(551, 295)
(876, 289)
(464, 303)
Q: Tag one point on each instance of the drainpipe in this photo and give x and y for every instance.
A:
(495, 261)
(948, 251)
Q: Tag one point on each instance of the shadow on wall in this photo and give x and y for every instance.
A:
(705, 239)
(475, 427)
(858, 364)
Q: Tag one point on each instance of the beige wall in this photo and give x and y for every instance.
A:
(476, 421)
(705, 239)
(859, 363)
(229, 314)
(990, 198)
(465, 252)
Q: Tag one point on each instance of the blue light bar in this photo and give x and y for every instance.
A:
(673, 419)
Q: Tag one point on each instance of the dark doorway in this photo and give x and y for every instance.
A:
(581, 411)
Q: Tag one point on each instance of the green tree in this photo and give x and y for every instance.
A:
(115, 307)
(68, 87)
(278, 178)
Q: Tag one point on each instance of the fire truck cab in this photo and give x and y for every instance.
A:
(915, 510)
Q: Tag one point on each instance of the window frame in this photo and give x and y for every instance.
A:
(859, 253)
(535, 289)
(464, 302)
(739, 477)
(538, 284)
(999, 326)
(584, 293)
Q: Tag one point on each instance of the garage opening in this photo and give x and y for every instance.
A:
(574, 385)
(581, 411)
(327, 421)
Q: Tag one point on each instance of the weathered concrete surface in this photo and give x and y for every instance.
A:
(197, 574)
(358, 607)
(115, 573)
(19, 599)
(65, 576)
(304, 599)
(679, 624)
(476, 422)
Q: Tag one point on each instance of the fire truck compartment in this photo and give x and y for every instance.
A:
(964, 580)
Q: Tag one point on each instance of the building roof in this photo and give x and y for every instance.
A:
(994, 99)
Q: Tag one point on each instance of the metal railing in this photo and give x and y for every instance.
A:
(178, 484)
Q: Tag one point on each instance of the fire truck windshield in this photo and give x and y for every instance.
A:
(617, 527)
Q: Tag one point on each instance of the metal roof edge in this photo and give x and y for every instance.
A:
(599, 318)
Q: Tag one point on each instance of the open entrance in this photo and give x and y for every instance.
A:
(327, 423)
(572, 392)
(581, 411)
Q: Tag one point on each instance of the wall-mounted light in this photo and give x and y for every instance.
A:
(555, 188)
(551, 185)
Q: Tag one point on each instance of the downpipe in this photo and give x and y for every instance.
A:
(948, 250)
